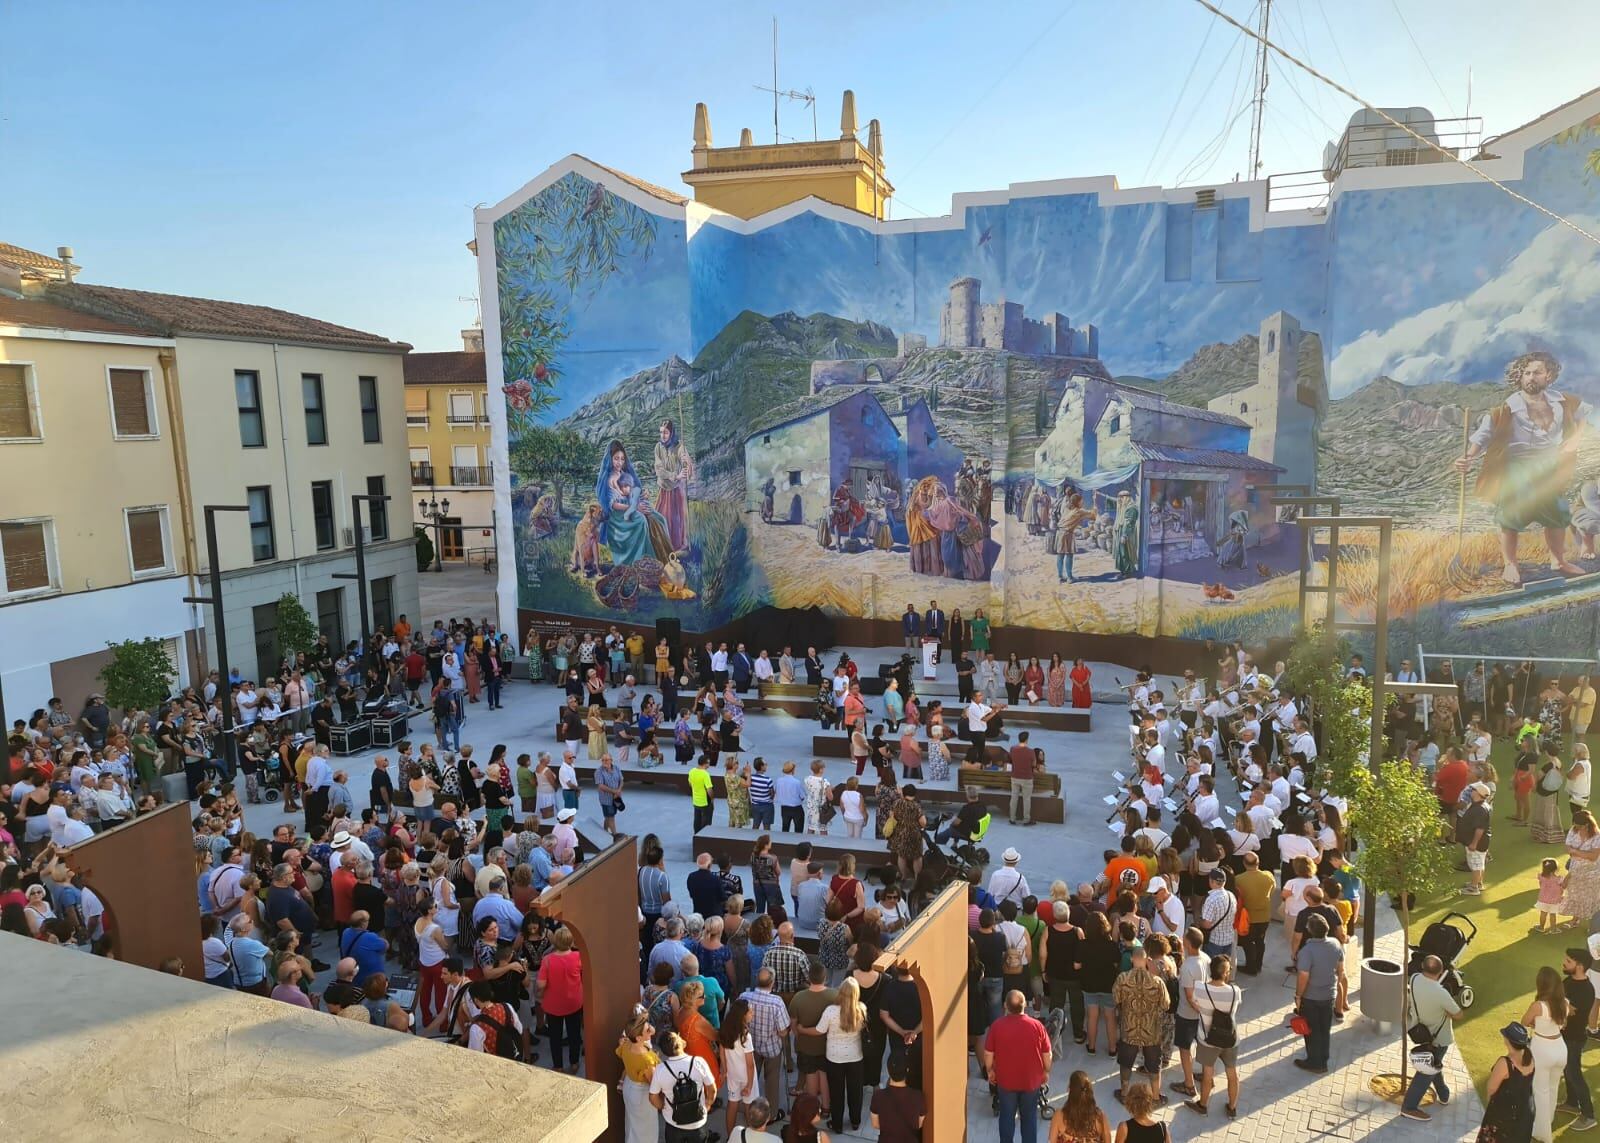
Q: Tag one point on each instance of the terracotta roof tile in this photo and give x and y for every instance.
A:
(632, 180)
(457, 367)
(41, 265)
(47, 315)
(174, 314)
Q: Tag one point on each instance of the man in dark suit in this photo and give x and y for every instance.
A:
(933, 625)
(740, 667)
(911, 627)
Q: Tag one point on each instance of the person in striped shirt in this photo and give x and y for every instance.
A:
(761, 796)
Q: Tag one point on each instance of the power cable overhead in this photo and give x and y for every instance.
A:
(1423, 57)
(1178, 102)
(1450, 155)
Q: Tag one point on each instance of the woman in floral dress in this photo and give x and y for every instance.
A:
(906, 844)
(938, 767)
(738, 794)
(817, 792)
(1582, 898)
(1055, 690)
(887, 795)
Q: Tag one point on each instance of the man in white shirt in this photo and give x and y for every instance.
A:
(222, 891)
(1192, 972)
(1279, 788)
(1262, 816)
(719, 666)
(249, 704)
(1191, 696)
(1159, 838)
(567, 775)
(1300, 739)
(979, 714)
(1214, 707)
(1155, 756)
(1007, 883)
(1406, 674)
(1207, 806)
(112, 804)
(1168, 918)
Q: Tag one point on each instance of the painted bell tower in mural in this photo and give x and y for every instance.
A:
(1283, 410)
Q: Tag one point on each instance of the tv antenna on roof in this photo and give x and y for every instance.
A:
(777, 93)
(473, 298)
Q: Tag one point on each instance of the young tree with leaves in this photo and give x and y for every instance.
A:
(557, 456)
(139, 676)
(297, 631)
(1397, 814)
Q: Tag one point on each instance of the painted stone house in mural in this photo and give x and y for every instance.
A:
(810, 448)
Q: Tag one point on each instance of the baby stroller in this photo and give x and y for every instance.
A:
(1446, 940)
(1046, 1112)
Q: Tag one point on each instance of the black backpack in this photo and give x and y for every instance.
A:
(1221, 1032)
(507, 1045)
(685, 1102)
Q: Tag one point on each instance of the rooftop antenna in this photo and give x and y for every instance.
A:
(807, 96)
(1260, 100)
(477, 307)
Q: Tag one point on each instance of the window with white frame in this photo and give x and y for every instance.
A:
(133, 403)
(19, 403)
(149, 546)
(462, 409)
(28, 557)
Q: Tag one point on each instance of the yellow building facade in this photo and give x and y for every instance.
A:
(752, 178)
(447, 434)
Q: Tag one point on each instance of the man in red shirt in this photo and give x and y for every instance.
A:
(1016, 1058)
(416, 671)
(1022, 762)
(1452, 778)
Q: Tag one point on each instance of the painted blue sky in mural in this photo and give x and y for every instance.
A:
(1443, 285)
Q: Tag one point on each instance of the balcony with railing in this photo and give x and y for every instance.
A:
(416, 420)
(1377, 144)
(467, 420)
(471, 476)
(421, 474)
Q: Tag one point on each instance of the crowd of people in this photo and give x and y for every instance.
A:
(423, 899)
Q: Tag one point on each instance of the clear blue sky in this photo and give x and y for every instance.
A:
(325, 157)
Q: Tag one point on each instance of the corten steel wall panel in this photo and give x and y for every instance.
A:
(600, 904)
(935, 947)
(144, 872)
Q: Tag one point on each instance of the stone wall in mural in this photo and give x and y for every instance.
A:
(704, 419)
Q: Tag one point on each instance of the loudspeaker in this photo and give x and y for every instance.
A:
(669, 629)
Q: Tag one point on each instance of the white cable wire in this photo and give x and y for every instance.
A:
(1393, 122)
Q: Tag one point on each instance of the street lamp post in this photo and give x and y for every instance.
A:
(229, 747)
(435, 511)
(360, 574)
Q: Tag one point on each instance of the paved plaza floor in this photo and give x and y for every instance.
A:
(1278, 1101)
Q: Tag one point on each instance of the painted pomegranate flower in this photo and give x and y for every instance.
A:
(519, 394)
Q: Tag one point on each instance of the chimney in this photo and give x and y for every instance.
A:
(702, 126)
(847, 116)
(472, 339)
(745, 138)
(68, 270)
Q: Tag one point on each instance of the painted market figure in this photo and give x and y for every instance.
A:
(674, 470)
(847, 514)
(1230, 553)
(769, 492)
(1126, 535)
(1529, 450)
(1069, 513)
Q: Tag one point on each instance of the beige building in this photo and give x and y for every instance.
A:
(290, 416)
(91, 520)
(143, 409)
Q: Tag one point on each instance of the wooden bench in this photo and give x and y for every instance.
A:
(776, 689)
(1043, 783)
(838, 746)
(1047, 807)
(736, 844)
(1048, 718)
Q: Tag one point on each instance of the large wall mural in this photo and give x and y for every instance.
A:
(1069, 409)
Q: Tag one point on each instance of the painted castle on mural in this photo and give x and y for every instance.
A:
(706, 415)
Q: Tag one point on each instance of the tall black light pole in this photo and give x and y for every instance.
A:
(434, 511)
(230, 750)
(360, 574)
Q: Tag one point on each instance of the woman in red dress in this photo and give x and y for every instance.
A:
(1033, 682)
(1082, 696)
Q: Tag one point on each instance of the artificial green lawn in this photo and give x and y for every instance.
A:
(1501, 963)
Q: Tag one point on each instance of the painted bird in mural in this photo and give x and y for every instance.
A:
(597, 199)
(988, 233)
(1263, 571)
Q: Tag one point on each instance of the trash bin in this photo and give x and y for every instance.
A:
(175, 787)
(1382, 988)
